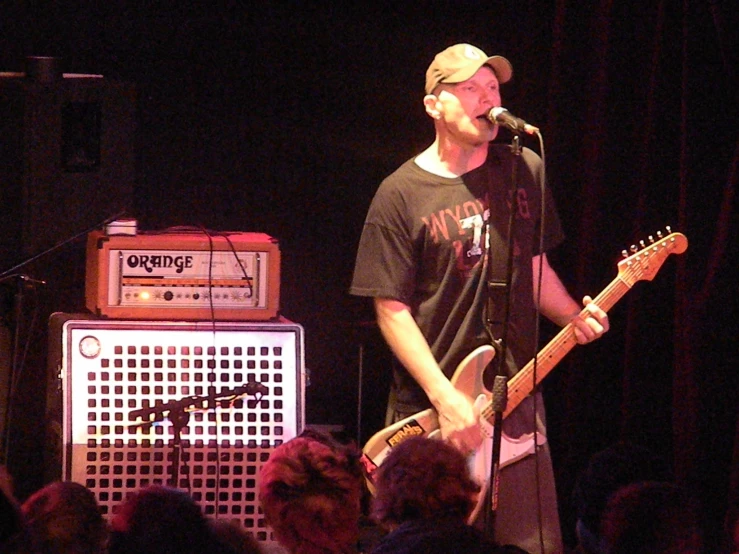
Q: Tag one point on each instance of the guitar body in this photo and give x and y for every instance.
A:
(468, 378)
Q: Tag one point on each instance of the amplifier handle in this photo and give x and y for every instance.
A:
(120, 277)
(256, 288)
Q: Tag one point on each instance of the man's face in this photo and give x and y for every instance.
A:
(464, 107)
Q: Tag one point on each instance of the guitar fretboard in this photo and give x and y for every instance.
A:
(642, 265)
(521, 384)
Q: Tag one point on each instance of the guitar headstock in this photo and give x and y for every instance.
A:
(646, 259)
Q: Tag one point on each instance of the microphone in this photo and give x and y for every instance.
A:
(504, 118)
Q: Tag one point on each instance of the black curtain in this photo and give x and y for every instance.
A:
(284, 118)
(642, 119)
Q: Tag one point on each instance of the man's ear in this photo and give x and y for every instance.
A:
(433, 105)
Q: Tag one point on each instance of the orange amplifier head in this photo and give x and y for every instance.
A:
(187, 276)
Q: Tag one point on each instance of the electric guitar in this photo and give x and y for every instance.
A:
(468, 377)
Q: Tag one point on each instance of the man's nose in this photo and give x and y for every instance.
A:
(490, 98)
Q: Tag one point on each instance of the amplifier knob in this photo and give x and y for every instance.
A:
(168, 295)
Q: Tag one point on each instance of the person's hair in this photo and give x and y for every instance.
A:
(160, 519)
(652, 517)
(617, 465)
(421, 478)
(64, 518)
(310, 491)
(234, 537)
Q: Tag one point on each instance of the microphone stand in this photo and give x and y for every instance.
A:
(178, 413)
(25, 280)
(501, 290)
(14, 367)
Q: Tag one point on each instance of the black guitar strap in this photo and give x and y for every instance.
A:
(499, 270)
(497, 285)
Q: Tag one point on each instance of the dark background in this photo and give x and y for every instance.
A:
(283, 118)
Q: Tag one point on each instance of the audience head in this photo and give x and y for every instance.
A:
(163, 520)
(607, 471)
(233, 537)
(652, 518)
(64, 518)
(310, 491)
(423, 478)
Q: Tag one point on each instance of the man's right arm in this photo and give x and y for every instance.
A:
(457, 420)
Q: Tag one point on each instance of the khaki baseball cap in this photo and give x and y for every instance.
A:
(460, 62)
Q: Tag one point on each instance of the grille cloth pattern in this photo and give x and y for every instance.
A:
(114, 368)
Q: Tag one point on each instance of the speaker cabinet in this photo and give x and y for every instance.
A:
(121, 384)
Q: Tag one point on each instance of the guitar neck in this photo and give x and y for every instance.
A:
(522, 384)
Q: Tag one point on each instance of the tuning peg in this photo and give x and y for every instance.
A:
(634, 248)
(659, 234)
(624, 253)
(641, 243)
(651, 239)
(669, 229)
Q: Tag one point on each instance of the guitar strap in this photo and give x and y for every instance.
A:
(499, 269)
(497, 284)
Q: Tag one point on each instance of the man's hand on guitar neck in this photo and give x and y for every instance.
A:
(590, 323)
(458, 421)
(556, 304)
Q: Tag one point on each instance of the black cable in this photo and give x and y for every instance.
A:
(537, 332)
(241, 265)
(58, 245)
(212, 388)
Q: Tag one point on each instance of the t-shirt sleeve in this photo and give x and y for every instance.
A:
(383, 268)
(385, 265)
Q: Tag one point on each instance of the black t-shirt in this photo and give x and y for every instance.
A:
(423, 243)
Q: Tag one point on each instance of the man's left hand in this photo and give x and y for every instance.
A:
(591, 323)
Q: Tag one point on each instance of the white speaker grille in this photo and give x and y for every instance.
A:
(115, 371)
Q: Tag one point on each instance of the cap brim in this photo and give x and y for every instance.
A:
(500, 65)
